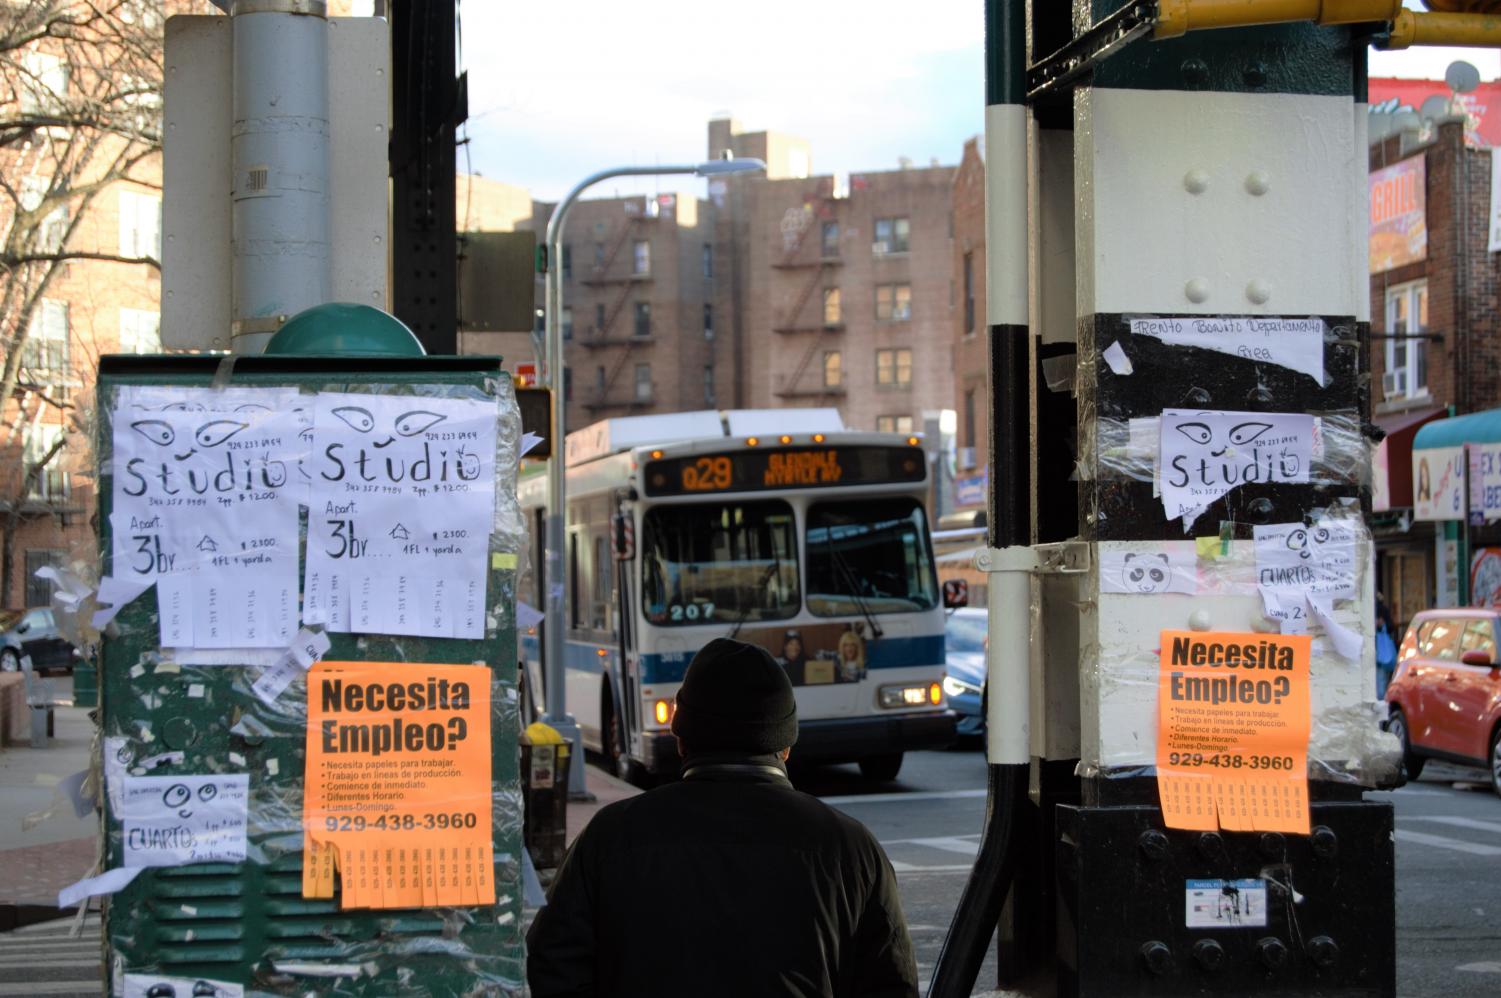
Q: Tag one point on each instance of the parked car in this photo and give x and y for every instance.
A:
(1444, 700)
(964, 678)
(34, 632)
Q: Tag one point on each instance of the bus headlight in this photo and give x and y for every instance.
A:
(909, 696)
(958, 687)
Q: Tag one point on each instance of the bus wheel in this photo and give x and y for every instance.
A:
(881, 768)
(621, 763)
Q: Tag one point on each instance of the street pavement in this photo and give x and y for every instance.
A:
(929, 822)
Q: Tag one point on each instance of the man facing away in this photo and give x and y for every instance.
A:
(729, 882)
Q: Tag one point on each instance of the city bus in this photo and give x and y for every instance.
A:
(812, 543)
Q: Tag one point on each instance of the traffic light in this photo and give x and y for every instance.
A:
(536, 417)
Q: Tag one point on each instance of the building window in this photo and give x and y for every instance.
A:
(140, 225)
(893, 424)
(50, 482)
(893, 301)
(39, 591)
(643, 382)
(640, 257)
(969, 424)
(708, 321)
(45, 355)
(1406, 360)
(829, 243)
(894, 368)
(567, 384)
(969, 294)
(567, 262)
(44, 82)
(892, 235)
(708, 384)
(643, 318)
(599, 379)
(599, 320)
(140, 331)
(567, 322)
(599, 256)
(833, 369)
(831, 312)
(708, 262)
(54, 227)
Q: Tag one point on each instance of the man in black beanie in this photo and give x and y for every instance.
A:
(729, 882)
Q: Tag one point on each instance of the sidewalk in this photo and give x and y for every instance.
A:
(36, 863)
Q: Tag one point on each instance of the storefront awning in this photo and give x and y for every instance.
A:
(1391, 470)
(1474, 428)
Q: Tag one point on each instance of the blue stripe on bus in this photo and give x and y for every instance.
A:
(884, 653)
(580, 657)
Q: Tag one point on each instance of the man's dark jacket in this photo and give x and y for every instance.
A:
(729, 882)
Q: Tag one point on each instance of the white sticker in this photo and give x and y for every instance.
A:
(1349, 643)
(402, 503)
(205, 503)
(195, 690)
(173, 820)
(1115, 356)
(113, 594)
(117, 757)
(529, 441)
(1170, 567)
(1205, 455)
(155, 985)
(1296, 344)
(307, 648)
(1317, 559)
(1286, 606)
(1224, 904)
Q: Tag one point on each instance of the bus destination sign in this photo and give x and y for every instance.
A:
(784, 468)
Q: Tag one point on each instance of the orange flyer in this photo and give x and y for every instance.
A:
(397, 802)
(1232, 731)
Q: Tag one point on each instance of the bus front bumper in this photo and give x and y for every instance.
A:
(841, 739)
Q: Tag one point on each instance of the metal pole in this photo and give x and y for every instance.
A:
(555, 670)
(279, 154)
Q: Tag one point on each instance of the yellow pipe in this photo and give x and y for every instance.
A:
(1412, 28)
(1177, 17)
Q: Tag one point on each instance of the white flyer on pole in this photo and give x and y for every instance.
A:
(1204, 455)
(1169, 567)
(1294, 343)
(174, 820)
(205, 506)
(399, 516)
(1317, 559)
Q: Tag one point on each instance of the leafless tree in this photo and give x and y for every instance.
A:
(80, 112)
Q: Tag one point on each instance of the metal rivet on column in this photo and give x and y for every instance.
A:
(1258, 292)
(1196, 290)
(1196, 181)
(1258, 183)
(1199, 620)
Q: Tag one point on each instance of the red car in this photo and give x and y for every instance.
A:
(1445, 698)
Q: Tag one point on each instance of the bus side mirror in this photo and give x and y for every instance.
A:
(623, 533)
(955, 594)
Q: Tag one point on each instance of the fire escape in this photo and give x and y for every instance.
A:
(811, 272)
(620, 288)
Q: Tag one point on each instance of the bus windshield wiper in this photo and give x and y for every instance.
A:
(853, 584)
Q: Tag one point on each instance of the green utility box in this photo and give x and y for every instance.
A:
(229, 732)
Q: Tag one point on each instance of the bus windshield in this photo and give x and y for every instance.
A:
(728, 562)
(869, 556)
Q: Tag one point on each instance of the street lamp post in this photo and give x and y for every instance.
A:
(552, 625)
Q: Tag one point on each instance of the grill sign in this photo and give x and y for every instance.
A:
(785, 468)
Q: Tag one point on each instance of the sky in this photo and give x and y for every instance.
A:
(560, 90)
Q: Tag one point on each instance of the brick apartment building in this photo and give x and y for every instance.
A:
(971, 344)
(780, 290)
(1435, 344)
(76, 295)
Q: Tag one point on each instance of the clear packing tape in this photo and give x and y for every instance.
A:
(1216, 584)
(1127, 450)
(205, 727)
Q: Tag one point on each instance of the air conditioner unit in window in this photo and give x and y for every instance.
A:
(1391, 383)
(880, 248)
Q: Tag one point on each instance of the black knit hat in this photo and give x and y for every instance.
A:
(735, 697)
